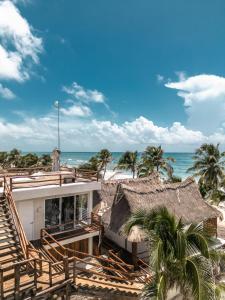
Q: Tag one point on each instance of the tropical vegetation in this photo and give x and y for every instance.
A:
(16, 159)
(153, 159)
(180, 256)
(209, 167)
(129, 162)
(98, 162)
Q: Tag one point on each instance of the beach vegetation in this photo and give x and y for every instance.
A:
(129, 162)
(180, 255)
(15, 159)
(98, 162)
(153, 159)
(104, 157)
(209, 167)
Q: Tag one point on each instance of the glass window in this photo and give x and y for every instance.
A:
(81, 206)
(67, 214)
(52, 212)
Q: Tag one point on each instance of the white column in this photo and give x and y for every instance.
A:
(90, 245)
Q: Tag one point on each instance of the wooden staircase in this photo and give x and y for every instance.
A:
(11, 257)
(98, 273)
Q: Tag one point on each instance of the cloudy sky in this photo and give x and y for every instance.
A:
(127, 74)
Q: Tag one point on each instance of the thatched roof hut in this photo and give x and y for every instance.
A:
(104, 198)
(123, 197)
(182, 199)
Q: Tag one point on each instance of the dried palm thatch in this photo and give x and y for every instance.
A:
(181, 199)
(109, 189)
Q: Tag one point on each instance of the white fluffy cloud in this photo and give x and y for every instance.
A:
(84, 95)
(6, 93)
(204, 99)
(84, 134)
(18, 44)
(76, 110)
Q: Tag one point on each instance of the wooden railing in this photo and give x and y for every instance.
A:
(39, 277)
(28, 180)
(13, 210)
(93, 223)
(119, 270)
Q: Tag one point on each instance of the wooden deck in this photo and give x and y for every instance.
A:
(21, 180)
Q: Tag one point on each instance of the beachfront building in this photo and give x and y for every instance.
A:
(59, 205)
(118, 199)
(50, 240)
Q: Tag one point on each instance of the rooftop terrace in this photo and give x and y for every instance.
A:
(30, 178)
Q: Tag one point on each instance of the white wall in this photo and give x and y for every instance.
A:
(121, 241)
(32, 210)
(55, 191)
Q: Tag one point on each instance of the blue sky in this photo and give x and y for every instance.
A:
(127, 73)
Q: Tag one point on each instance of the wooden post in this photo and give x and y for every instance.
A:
(11, 184)
(50, 273)
(40, 262)
(67, 291)
(60, 179)
(17, 282)
(35, 274)
(134, 254)
(66, 267)
(74, 271)
(1, 284)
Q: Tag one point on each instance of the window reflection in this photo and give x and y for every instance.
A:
(66, 210)
(52, 212)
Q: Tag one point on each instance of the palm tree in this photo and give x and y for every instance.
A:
(129, 162)
(13, 157)
(104, 158)
(45, 160)
(208, 166)
(153, 159)
(179, 255)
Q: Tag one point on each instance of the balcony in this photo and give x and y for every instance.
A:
(70, 230)
(23, 179)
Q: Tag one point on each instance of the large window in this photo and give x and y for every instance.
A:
(52, 212)
(66, 210)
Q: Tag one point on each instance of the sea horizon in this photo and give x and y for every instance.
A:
(183, 160)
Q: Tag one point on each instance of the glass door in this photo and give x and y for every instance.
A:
(52, 213)
(67, 212)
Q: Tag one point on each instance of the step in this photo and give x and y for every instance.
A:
(7, 231)
(8, 258)
(25, 290)
(5, 220)
(6, 245)
(9, 250)
(6, 238)
(5, 214)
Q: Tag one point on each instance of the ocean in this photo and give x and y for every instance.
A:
(183, 160)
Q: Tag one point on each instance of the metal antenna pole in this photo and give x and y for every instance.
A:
(58, 129)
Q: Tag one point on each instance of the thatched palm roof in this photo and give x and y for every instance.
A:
(181, 199)
(105, 197)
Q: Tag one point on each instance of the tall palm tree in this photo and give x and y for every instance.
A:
(179, 255)
(209, 166)
(129, 162)
(104, 158)
(13, 156)
(153, 159)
